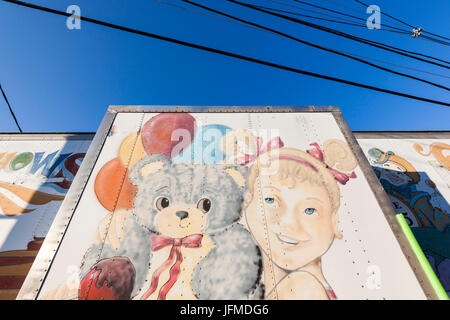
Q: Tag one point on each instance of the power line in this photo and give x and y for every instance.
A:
(330, 10)
(436, 35)
(384, 13)
(337, 3)
(313, 44)
(424, 37)
(349, 36)
(348, 22)
(229, 54)
(338, 12)
(399, 66)
(11, 110)
(312, 17)
(312, 11)
(403, 22)
(344, 21)
(346, 35)
(207, 15)
(230, 20)
(352, 9)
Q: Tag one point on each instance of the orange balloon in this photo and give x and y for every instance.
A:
(113, 188)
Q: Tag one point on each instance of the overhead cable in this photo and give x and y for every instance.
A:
(229, 54)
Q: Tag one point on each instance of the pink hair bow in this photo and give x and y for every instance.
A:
(341, 177)
(274, 143)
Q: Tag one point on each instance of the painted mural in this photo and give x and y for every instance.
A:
(298, 221)
(213, 206)
(58, 169)
(419, 187)
(34, 178)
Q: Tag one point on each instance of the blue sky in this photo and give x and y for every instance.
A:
(61, 80)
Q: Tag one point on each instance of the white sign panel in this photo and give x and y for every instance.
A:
(36, 170)
(224, 205)
(415, 172)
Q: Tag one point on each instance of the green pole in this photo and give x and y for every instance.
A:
(436, 284)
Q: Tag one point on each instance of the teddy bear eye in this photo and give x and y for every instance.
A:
(204, 205)
(162, 202)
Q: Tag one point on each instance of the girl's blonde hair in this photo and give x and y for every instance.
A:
(289, 171)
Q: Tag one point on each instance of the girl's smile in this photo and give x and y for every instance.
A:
(295, 224)
(287, 240)
(292, 213)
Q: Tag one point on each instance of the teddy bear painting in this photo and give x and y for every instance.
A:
(181, 239)
(225, 206)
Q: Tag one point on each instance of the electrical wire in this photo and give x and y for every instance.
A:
(207, 15)
(349, 36)
(338, 12)
(10, 109)
(226, 53)
(270, 32)
(309, 10)
(401, 32)
(399, 66)
(313, 44)
(344, 21)
(424, 37)
(352, 23)
(327, 9)
(349, 22)
(401, 21)
(410, 32)
(344, 6)
(436, 35)
(384, 13)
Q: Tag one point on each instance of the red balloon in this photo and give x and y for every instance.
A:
(157, 133)
(88, 288)
(110, 279)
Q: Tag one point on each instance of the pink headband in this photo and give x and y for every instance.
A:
(317, 153)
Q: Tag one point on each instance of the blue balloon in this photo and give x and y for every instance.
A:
(205, 147)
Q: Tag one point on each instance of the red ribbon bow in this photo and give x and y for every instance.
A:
(274, 143)
(341, 177)
(159, 242)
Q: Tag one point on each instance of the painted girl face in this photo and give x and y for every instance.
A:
(294, 226)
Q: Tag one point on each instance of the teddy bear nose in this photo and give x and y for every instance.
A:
(182, 214)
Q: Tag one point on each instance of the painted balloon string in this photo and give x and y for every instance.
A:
(246, 159)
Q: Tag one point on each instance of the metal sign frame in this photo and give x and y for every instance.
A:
(402, 134)
(43, 262)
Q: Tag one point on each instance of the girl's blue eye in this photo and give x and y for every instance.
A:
(269, 200)
(310, 211)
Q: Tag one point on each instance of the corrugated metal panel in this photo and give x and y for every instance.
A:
(36, 170)
(414, 169)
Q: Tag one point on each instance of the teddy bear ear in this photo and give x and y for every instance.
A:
(147, 166)
(238, 174)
